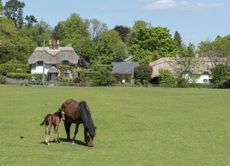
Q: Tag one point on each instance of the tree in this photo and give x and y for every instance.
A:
(13, 44)
(138, 25)
(58, 32)
(30, 20)
(109, 48)
(156, 40)
(1, 7)
(218, 51)
(76, 33)
(178, 40)
(122, 31)
(13, 10)
(95, 27)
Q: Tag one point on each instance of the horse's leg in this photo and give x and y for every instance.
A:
(67, 129)
(47, 132)
(57, 133)
(75, 133)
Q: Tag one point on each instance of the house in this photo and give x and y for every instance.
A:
(198, 69)
(44, 60)
(124, 71)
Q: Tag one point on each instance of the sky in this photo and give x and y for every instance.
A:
(195, 20)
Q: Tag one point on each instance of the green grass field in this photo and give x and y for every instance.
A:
(135, 126)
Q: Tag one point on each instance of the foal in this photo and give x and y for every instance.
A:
(53, 120)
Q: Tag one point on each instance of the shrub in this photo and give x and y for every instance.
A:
(181, 82)
(13, 68)
(19, 75)
(103, 77)
(2, 80)
(166, 78)
(143, 74)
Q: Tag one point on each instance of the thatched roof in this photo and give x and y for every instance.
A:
(53, 56)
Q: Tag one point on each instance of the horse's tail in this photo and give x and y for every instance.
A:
(45, 120)
(86, 117)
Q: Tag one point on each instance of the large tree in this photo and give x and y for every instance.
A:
(156, 41)
(95, 27)
(178, 40)
(218, 51)
(109, 48)
(30, 20)
(13, 10)
(76, 33)
(13, 44)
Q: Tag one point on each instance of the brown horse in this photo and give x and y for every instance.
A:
(79, 112)
(53, 120)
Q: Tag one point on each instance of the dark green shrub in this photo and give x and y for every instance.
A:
(2, 80)
(224, 84)
(181, 82)
(103, 77)
(143, 74)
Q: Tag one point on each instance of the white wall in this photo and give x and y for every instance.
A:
(39, 69)
(202, 79)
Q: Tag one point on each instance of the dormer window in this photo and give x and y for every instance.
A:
(40, 63)
(65, 62)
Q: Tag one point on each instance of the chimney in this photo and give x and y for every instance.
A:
(50, 44)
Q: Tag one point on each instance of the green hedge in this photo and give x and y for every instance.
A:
(20, 75)
(13, 68)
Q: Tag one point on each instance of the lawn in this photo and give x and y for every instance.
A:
(135, 126)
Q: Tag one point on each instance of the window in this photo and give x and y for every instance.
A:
(40, 63)
(65, 62)
(66, 75)
(205, 80)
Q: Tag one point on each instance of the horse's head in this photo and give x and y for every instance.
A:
(89, 136)
(61, 114)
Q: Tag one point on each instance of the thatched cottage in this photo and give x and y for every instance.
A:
(198, 67)
(44, 60)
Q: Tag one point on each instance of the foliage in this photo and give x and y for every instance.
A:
(120, 77)
(103, 75)
(143, 74)
(109, 48)
(95, 28)
(30, 20)
(58, 31)
(2, 79)
(166, 78)
(13, 10)
(221, 76)
(19, 75)
(13, 67)
(218, 51)
(156, 40)
(122, 31)
(181, 82)
(178, 40)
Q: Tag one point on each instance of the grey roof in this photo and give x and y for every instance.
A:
(53, 56)
(124, 67)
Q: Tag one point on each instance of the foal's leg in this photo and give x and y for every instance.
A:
(47, 132)
(75, 133)
(56, 131)
(67, 129)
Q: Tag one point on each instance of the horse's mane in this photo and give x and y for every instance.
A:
(86, 118)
